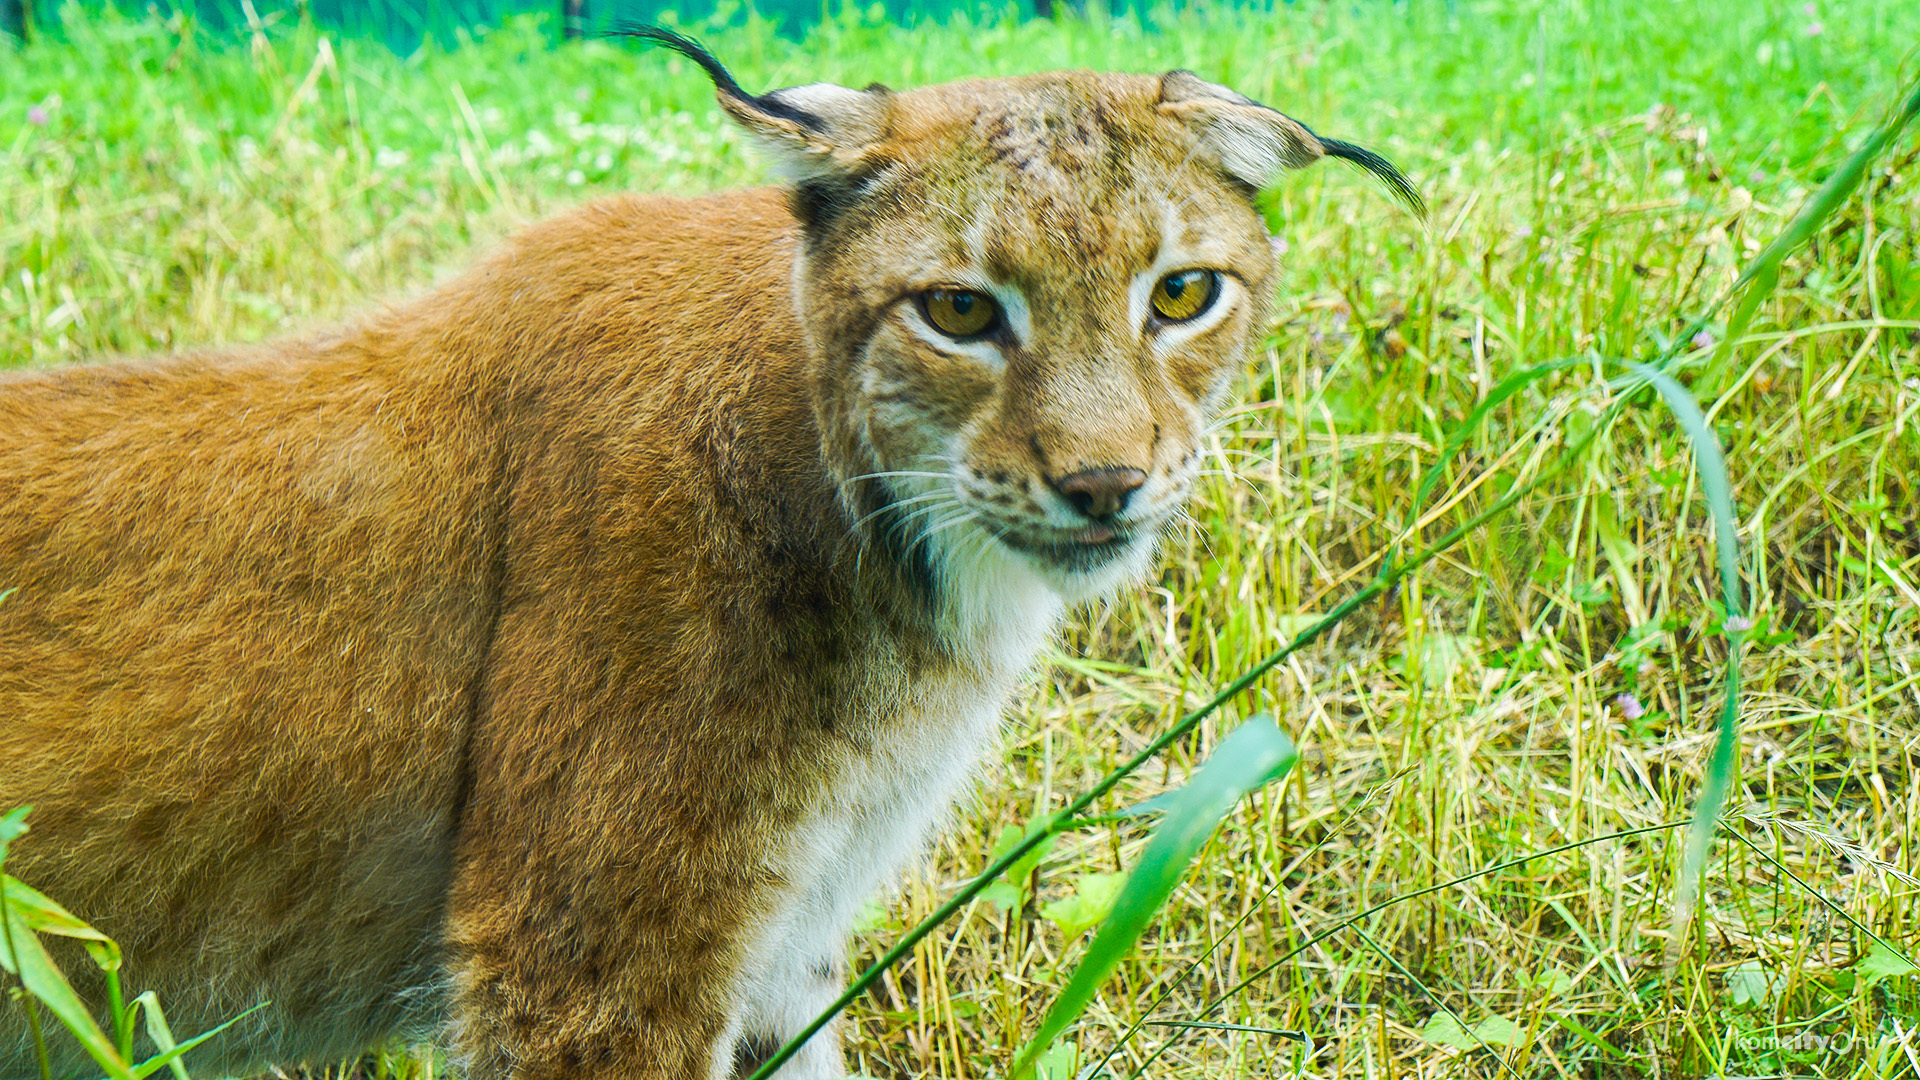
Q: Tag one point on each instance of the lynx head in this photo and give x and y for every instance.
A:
(1023, 298)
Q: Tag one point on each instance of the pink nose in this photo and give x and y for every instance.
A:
(1099, 493)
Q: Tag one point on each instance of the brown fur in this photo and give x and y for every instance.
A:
(486, 663)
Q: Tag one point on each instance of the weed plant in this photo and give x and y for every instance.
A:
(1472, 868)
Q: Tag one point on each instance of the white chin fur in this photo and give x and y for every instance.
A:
(996, 562)
(1088, 586)
(997, 599)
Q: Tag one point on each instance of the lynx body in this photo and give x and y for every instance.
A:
(553, 664)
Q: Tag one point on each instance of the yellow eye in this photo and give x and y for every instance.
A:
(959, 313)
(1184, 294)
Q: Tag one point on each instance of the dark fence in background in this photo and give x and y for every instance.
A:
(16, 17)
(404, 24)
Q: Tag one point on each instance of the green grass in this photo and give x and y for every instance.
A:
(1598, 176)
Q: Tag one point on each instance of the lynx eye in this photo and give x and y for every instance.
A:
(959, 313)
(1184, 294)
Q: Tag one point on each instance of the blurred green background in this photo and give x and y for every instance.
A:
(405, 24)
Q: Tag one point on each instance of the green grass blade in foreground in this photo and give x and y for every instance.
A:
(1171, 986)
(27, 959)
(1711, 464)
(13, 825)
(1496, 397)
(162, 1036)
(1763, 273)
(1758, 279)
(1257, 752)
(37, 912)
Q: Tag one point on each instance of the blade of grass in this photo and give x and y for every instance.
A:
(13, 825)
(1711, 465)
(162, 1036)
(1254, 754)
(1589, 1036)
(1203, 1025)
(1498, 396)
(28, 960)
(1193, 965)
(1761, 275)
(37, 912)
(1757, 280)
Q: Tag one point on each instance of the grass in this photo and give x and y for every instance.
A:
(1528, 700)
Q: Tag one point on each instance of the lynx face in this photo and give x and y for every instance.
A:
(1025, 297)
(1031, 309)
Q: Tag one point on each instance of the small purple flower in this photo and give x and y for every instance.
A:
(1702, 340)
(1629, 706)
(1736, 624)
(1816, 28)
(1280, 245)
(37, 116)
(1810, 10)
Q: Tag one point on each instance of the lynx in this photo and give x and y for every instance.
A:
(553, 664)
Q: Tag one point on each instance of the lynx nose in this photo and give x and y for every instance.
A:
(1099, 493)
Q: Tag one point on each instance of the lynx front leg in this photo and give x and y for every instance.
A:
(593, 932)
(572, 978)
(795, 965)
(791, 973)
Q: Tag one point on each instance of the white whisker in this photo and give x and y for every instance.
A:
(926, 534)
(891, 472)
(901, 502)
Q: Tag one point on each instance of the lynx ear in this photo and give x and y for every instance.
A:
(1254, 144)
(813, 132)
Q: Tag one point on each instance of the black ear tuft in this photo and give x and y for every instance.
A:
(723, 79)
(1403, 188)
(811, 132)
(1254, 143)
